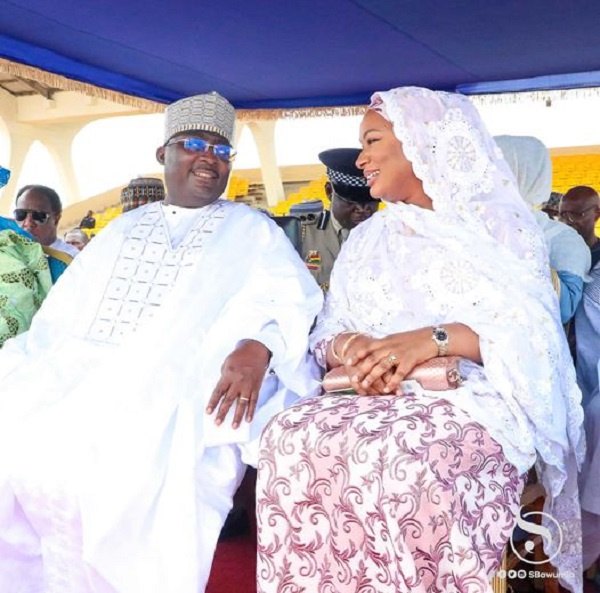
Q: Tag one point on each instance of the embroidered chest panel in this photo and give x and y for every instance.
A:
(146, 271)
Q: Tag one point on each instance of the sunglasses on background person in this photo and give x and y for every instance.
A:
(194, 145)
(574, 216)
(38, 216)
(350, 204)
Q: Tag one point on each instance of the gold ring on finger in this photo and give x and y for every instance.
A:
(244, 399)
(392, 359)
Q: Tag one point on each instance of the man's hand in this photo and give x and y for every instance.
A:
(242, 374)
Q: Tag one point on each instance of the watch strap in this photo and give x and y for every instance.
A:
(440, 337)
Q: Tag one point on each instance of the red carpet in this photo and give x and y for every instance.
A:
(234, 566)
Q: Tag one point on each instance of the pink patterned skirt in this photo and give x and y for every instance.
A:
(381, 494)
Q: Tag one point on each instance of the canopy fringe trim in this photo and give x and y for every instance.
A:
(63, 83)
(247, 115)
(547, 96)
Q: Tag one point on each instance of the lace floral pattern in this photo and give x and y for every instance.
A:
(459, 152)
(381, 494)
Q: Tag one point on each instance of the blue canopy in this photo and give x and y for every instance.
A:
(285, 54)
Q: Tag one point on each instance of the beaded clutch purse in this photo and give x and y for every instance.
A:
(437, 374)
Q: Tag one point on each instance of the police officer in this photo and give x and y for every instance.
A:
(351, 204)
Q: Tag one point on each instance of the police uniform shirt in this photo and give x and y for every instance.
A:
(321, 243)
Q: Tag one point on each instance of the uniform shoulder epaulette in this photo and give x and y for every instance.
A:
(323, 220)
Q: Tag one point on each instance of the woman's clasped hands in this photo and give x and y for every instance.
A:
(377, 366)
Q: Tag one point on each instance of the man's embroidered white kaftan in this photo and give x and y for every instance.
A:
(112, 477)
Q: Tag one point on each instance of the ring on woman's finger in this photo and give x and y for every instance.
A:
(244, 399)
(392, 359)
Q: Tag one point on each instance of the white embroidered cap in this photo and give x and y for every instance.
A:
(208, 113)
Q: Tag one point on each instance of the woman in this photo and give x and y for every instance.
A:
(570, 257)
(24, 275)
(419, 491)
(24, 279)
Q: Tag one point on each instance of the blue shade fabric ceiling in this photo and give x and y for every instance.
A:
(306, 53)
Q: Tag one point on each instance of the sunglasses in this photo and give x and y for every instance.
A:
(350, 204)
(574, 216)
(194, 145)
(38, 216)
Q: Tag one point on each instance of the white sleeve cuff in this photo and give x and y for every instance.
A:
(270, 337)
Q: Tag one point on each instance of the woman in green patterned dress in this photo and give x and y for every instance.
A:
(25, 279)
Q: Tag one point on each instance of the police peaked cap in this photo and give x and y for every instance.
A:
(347, 179)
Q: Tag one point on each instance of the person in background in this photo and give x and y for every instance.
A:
(550, 207)
(131, 406)
(589, 484)
(38, 210)
(580, 209)
(141, 191)
(88, 221)
(25, 278)
(587, 331)
(351, 204)
(77, 238)
(569, 256)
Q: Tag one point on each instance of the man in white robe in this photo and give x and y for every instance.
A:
(129, 408)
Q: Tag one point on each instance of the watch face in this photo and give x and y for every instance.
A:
(440, 334)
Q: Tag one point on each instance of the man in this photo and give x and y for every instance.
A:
(587, 325)
(76, 238)
(88, 221)
(148, 373)
(351, 204)
(57, 260)
(587, 329)
(38, 211)
(580, 209)
(25, 277)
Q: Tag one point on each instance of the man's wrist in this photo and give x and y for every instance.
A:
(253, 343)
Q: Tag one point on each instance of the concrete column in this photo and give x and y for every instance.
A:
(58, 139)
(21, 137)
(55, 123)
(239, 128)
(263, 132)
(20, 143)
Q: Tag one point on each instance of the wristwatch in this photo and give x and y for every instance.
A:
(440, 337)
